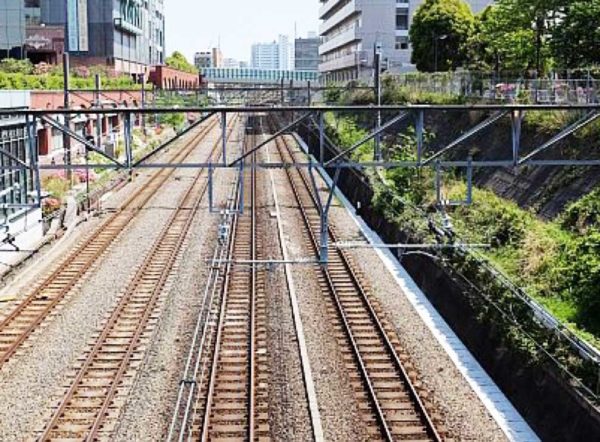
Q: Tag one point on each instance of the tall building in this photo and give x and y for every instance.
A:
(275, 55)
(306, 54)
(127, 35)
(265, 56)
(350, 29)
(285, 53)
(217, 58)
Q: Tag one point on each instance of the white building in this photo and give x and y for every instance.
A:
(231, 63)
(275, 55)
(350, 28)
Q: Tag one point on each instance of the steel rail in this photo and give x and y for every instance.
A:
(405, 379)
(165, 251)
(201, 336)
(53, 289)
(238, 242)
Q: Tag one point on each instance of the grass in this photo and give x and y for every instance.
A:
(531, 252)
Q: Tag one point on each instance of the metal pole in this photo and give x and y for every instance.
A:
(33, 154)
(309, 95)
(377, 78)
(87, 179)
(420, 129)
(322, 137)
(210, 187)
(438, 182)
(67, 105)
(143, 77)
(128, 152)
(99, 117)
(224, 136)
(517, 119)
(324, 243)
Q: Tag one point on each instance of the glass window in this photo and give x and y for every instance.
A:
(402, 19)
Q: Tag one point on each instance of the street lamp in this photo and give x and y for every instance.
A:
(436, 40)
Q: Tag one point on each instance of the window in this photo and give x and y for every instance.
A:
(402, 19)
(401, 42)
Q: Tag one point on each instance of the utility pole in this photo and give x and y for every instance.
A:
(377, 80)
(67, 105)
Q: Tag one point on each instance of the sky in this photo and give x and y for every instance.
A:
(196, 25)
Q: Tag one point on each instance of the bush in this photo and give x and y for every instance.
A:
(56, 185)
(583, 214)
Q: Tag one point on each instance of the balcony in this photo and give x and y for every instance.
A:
(338, 17)
(327, 7)
(344, 62)
(342, 39)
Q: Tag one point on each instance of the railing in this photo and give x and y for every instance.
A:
(491, 87)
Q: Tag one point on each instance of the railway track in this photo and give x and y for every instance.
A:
(92, 403)
(230, 359)
(382, 377)
(34, 310)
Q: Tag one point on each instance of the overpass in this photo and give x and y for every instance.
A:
(256, 76)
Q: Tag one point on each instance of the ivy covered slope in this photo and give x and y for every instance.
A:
(22, 75)
(557, 261)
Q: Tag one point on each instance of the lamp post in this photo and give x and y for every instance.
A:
(435, 45)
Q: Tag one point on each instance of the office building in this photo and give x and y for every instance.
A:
(306, 54)
(203, 60)
(126, 35)
(275, 55)
(12, 28)
(349, 31)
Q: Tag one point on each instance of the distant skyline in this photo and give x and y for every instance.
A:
(197, 26)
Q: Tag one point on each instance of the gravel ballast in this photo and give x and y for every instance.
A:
(464, 414)
(34, 380)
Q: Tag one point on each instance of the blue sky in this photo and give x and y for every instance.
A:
(194, 25)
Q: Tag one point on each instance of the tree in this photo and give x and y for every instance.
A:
(439, 34)
(576, 36)
(178, 61)
(515, 34)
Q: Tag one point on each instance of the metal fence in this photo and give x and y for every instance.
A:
(489, 87)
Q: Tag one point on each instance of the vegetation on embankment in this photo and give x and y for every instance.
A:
(22, 75)
(555, 262)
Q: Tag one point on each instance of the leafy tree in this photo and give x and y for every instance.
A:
(515, 34)
(576, 36)
(439, 33)
(178, 61)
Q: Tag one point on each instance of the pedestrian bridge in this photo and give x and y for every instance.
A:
(262, 76)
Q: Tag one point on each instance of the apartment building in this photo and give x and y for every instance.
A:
(350, 29)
